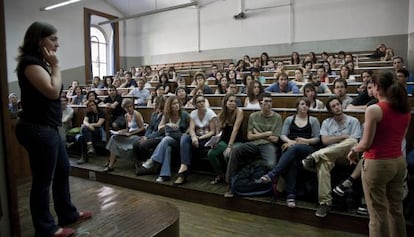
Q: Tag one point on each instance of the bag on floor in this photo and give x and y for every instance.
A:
(247, 181)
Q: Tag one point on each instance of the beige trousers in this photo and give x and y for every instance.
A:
(383, 181)
(325, 161)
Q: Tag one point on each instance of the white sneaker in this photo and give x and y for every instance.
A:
(148, 164)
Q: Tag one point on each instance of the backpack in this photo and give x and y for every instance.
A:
(247, 181)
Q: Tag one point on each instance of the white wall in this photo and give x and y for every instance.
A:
(176, 32)
(19, 14)
(314, 20)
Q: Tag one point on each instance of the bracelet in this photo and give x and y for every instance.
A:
(229, 146)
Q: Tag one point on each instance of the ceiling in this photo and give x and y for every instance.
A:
(133, 7)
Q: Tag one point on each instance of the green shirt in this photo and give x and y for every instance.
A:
(263, 124)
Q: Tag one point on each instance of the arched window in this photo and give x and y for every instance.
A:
(98, 52)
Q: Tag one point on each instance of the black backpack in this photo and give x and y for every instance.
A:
(247, 181)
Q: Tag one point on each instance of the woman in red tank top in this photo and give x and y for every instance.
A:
(384, 165)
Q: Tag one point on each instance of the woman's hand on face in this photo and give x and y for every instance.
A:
(50, 57)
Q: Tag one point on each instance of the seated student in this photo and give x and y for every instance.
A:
(14, 104)
(202, 128)
(309, 92)
(159, 91)
(129, 82)
(97, 83)
(263, 131)
(321, 88)
(233, 89)
(365, 98)
(77, 97)
(307, 69)
(92, 96)
(402, 77)
(140, 93)
(67, 116)
(366, 75)
(321, 72)
(181, 95)
(92, 131)
(256, 66)
(283, 85)
(174, 123)
(300, 134)
(197, 91)
(340, 85)
(71, 89)
(299, 79)
(230, 120)
(257, 77)
(254, 89)
(345, 73)
(295, 58)
(382, 53)
(163, 81)
(397, 64)
(143, 148)
(121, 143)
(232, 76)
(113, 101)
(339, 134)
(222, 86)
(328, 68)
(247, 78)
(200, 80)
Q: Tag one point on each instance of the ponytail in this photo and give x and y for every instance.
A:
(394, 91)
(398, 97)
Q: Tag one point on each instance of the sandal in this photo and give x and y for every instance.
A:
(218, 179)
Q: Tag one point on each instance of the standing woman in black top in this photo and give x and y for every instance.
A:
(37, 130)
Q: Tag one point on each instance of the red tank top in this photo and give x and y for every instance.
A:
(389, 134)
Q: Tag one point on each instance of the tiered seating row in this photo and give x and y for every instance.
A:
(146, 112)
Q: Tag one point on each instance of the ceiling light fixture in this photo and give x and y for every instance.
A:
(59, 5)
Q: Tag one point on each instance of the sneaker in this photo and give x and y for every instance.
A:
(82, 160)
(362, 210)
(322, 210)
(309, 163)
(91, 150)
(291, 202)
(343, 187)
(161, 179)
(148, 164)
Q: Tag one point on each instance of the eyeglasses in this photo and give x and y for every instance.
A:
(267, 101)
(200, 101)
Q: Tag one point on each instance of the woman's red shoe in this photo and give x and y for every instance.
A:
(64, 232)
(83, 215)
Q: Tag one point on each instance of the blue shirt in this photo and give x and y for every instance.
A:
(291, 87)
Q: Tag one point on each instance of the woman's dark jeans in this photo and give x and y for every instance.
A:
(49, 164)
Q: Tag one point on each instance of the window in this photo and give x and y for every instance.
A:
(98, 52)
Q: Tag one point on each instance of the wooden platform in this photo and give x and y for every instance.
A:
(199, 190)
(115, 213)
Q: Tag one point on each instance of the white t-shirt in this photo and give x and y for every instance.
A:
(202, 126)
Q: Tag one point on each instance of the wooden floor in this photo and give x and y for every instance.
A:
(113, 207)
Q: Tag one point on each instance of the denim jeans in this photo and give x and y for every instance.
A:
(162, 154)
(88, 135)
(143, 149)
(49, 164)
(187, 149)
(287, 166)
